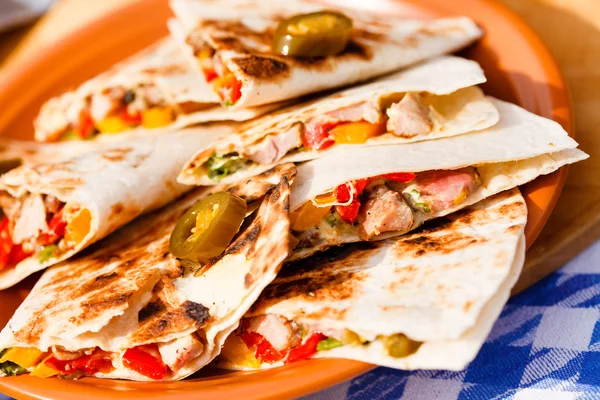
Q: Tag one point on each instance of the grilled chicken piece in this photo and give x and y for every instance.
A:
(440, 190)
(384, 211)
(409, 117)
(273, 147)
(365, 111)
(31, 220)
(102, 104)
(281, 333)
(179, 352)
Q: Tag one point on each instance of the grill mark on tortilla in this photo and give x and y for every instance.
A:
(117, 154)
(439, 244)
(262, 68)
(152, 308)
(165, 70)
(68, 182)
(248, 280)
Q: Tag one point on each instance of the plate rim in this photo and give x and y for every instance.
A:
(343, 369)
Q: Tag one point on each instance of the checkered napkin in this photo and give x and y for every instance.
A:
(545, 346)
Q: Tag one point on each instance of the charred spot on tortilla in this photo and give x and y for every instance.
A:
(248, 280)
(196, 312)
(440, 244)
(117, 208)
(262, 67)
(235, 28)
(165, 70)
(98, 303)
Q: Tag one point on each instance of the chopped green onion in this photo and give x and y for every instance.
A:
(415, 200)
(328, 344)
(221, 166)
(47, 253)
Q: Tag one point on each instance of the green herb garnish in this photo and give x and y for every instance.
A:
(220, 166)
(328, 344)
(47, 253)
(228, 103)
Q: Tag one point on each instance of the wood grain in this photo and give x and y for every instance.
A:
(571, 28)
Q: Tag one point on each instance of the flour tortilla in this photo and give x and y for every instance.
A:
(448, 83)
(444, 286)
(99, 298)
(521, 147)
(162, 64)
(241, 32)
(116, 184)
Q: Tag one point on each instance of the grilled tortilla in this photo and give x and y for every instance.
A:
(372, 193)
(129, 291)
(436, 99)
(230, 42)
(155, 88)
(56, 209)
(426, 300)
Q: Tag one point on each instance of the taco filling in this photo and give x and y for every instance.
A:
(40, 226)
(411, 116)
(368, 208)
(273, 339)
(155, 361)
(112, 110)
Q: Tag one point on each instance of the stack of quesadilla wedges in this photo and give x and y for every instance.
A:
(380, 222)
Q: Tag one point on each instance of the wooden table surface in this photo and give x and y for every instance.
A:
(571, 28)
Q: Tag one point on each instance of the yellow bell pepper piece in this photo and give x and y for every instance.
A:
(205, 53)
(43, 370)
(156, 117)
(25, 357)
(356, 132)
(307, 216)
(236, 351)
(112, 124)
(78, 228)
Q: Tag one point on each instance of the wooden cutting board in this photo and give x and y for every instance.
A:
(571, 28)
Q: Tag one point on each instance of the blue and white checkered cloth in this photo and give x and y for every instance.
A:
(545, 346)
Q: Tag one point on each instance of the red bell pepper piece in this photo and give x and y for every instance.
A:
(56, 230)
(267, 353)
(17, 254)
(85, 126)
(209, 74)
(129, 119)
(251, 338)
(342, 193)
(146, 361)
(6, 243)
(98, 361)
(316, 136)
(264, 349)
(402, 177)
(306, 349)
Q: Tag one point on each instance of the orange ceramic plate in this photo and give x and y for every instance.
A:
(517, 64)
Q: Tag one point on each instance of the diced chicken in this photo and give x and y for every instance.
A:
(281, 333)
(53, 205)
(440, 190)
(179, 352)
(31, 219)
(102, 104)
(384, 211)
(365, 111)
(409, 117)
(273, 147)
(52, 121)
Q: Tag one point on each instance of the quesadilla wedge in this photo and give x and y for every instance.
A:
(436, 99)
(128, 309)
(54, 210)
(237, 46)
(426, 300)
(155, 88)
(372, 193)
